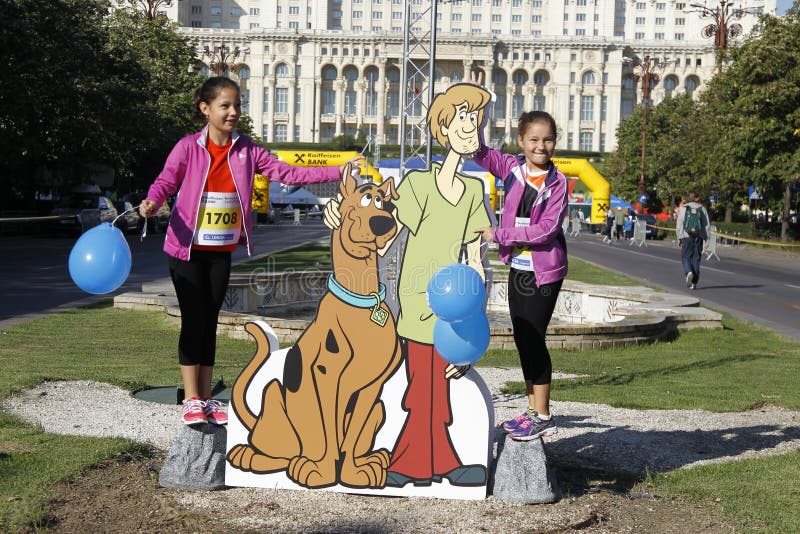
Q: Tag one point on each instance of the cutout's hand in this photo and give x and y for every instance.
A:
(455, 371)
(476, 77)
(330, 215)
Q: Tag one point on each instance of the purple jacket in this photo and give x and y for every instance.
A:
(545, 235)
(186, 170)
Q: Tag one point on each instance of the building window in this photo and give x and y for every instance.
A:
(541, 78)
(538, 102)
(282, 71)
(280, 133)
(680, 21)
(660, 21)
(670, 83)
(377, 15)
(603, 108)
(641, 6)
(517, 105)
(580, 17)
(661, 6)
(580, 32)
(536, 4)
(254, 25)
(265, 103)
(216, 11)
(244, 73)
(571, 77)
(587, 108)
(197, 10)
(569, 140)
(641, 20)
(516, 18)
(639, 35)
(587, 78)
(357, 14)
(282, 100)
(294, 10)
(476, 17)
(659, 36)
(571, 107)
(586, 141)
(254, 11)
(536, 19)
(679, 37)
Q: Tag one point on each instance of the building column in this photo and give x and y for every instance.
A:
(317, 108)
(269, 135)
(381, 96)
(338, 86)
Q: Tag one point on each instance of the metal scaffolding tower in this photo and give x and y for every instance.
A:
(417, 77)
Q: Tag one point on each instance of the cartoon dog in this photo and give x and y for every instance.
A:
(319, 423)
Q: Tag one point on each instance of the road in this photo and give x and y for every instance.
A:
(34, 279)
(761, 286)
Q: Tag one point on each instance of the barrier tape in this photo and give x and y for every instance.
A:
(736, 238)
(32, 219)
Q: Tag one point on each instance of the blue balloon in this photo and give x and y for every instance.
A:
(456, 292)
(100, 261)
(463, 342)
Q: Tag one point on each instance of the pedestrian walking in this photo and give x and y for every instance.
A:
(692, 231)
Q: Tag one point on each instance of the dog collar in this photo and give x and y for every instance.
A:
(354, 299)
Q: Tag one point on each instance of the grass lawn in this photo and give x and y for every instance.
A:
(734, 369)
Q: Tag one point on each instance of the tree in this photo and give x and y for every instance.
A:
(762, 88)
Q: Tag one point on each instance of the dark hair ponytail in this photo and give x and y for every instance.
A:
(532, 116)
(209, 91)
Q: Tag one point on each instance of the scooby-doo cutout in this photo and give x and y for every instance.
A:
(347, 408)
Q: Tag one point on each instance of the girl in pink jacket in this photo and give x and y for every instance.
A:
(212, 172)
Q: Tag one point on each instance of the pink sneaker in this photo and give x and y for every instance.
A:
(193, 411)
(214, 412)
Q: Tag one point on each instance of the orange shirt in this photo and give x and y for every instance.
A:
(219, 180)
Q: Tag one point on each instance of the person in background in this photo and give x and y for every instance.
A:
(692, 231)
(212, 173)
(532, 242)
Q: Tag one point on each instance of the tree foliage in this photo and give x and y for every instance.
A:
(745, 129)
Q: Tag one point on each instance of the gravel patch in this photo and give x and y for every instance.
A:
(595, 437)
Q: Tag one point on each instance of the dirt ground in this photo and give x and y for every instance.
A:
(124, 497)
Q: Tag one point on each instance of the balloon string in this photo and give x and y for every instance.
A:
(123, 213)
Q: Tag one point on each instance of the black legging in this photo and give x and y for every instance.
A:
(200, 285)
(531, 308)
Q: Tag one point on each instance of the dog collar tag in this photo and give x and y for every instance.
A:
(378, 316)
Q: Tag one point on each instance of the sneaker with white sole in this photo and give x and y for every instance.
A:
(193, 411)
(214, 412)
(512, 424)
(533, 428)
(689, 280)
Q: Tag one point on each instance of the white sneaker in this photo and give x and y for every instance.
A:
(689, 280)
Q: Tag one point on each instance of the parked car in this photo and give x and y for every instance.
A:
(157, 223)
(82, 210)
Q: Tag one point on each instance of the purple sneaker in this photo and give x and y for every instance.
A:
(533, 428)
(512, 424)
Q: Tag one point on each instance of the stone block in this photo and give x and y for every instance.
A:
(196, 460)
(521, 474)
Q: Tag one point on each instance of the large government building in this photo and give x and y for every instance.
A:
(314, 69)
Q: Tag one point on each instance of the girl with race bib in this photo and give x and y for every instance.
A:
(532, 243)
(212, 172)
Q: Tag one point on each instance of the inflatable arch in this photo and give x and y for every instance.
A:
(594, 181)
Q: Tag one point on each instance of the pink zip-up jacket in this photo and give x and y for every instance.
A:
(544, 235)
(186, 171)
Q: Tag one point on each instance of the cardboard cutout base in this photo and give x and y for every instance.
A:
(470, 432)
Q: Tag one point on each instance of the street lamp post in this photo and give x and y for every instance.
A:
(723, 26)
(223, 58)
(649, 76)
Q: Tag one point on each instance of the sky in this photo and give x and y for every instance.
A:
(783, 5)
